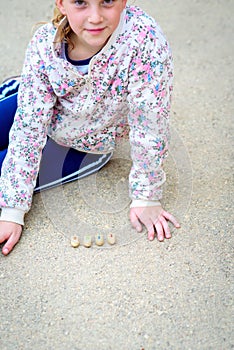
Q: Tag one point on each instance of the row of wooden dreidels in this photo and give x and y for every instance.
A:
(87, 241)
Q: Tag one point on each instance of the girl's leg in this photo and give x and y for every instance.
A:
(61, 164)
(8, 105)
(2, 156)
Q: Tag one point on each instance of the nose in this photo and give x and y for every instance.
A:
(95, 16)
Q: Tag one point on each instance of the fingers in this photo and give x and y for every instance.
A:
(171, 218)
(159, 231)
(3, 237)
(162, 229)
(135, 221)
(155, 219)
(12, 241)
(150, 228)
(9, 232)
(161, 225)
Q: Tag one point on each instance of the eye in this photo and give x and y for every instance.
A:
(80, 3)
(108, 3)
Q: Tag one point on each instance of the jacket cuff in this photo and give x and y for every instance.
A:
(136, 203)
(13, 215)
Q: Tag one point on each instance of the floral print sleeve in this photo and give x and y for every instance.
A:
(150, 86)
(28, 134)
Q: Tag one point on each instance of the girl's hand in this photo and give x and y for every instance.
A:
(155, 220)
(10, 232)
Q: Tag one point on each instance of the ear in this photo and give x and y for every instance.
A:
(124, 2)
(59, 4)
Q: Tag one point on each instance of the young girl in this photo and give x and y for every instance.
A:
(101, 70)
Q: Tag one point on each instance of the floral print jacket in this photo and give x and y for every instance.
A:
(126, 92)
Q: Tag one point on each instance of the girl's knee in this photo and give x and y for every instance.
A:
(2, 157)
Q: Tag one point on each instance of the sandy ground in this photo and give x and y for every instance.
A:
(136, 295)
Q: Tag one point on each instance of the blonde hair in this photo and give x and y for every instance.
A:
(64, 34)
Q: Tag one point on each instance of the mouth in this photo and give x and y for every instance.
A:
(95, 30)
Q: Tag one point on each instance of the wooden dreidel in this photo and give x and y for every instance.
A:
(99, 239)
(75, 241)
(87, 241)
(111, 238)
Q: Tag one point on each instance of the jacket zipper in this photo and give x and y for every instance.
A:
(88, 83)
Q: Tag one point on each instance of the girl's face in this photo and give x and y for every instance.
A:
(92, 21)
